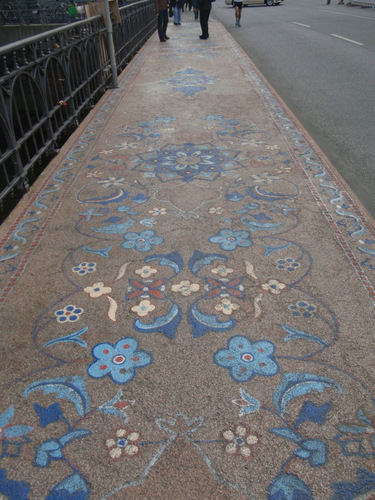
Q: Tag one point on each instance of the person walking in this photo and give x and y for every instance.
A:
(237, 12)
(204, 7)
(161, 9)
(177, 9)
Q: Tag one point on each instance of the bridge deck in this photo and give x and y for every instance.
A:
(187, 298)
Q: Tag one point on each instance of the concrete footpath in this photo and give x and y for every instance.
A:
(187, 299)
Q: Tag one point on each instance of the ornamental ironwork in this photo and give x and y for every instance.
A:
(48, 84)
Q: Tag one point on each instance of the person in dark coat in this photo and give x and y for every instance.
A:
(161, 9)
(204, 7)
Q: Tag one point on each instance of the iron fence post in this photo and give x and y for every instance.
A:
(111, 47)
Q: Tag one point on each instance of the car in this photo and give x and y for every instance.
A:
(256, 2)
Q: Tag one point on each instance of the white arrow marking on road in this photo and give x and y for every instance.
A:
(346, 39)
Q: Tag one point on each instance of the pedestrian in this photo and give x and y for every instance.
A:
(328, 2)
(177, 9)
(195, 10)
(161, 9)
(204, 7)
(237, 12)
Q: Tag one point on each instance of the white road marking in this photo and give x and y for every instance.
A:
(346, 39)
(350, 15)
(304, 25)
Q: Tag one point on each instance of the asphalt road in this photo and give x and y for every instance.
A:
(321, 60)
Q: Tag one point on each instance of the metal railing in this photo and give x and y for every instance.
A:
(49, 82)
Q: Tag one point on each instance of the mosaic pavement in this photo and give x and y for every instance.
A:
(187, 299)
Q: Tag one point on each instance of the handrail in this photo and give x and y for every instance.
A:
(50, 81)
(41, 36)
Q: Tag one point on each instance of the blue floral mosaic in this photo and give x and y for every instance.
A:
(174, 304)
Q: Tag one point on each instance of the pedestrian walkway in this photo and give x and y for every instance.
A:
(187, 299)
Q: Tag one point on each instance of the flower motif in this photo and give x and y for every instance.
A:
(226, 307)
(158, 211)
(274, 286)
(146, 271)
(244, 358)
(69, 314)
(12, 436)
(97, 290)
(118, 361)
(123, 443)
(112, 182)
(142, 242)
(302, 308)
(155, 289)
(216, 210)
(288, 264)
(84, 268)
(240, 441)
(232, 287)
(229, 240)
(185, 287)
(143, 308)
(222, 271)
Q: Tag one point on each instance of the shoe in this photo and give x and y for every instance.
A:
(175, 24)
(203, 37)
(163, 40)
(236, 23)
(178, 24)
(239, 24)
(166, 38)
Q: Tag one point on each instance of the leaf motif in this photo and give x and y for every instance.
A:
(200, 260)
(258, 226)
(72, 389)
(73, 486)
(257, 307)
(297, 334)
(70, 436)
(250, 270)
(286, 433)
(112, 308)
(166, 324)
(122, 271)
(270, 250)
(362, 417)
(73, 337)
(148, 222)
(15, 431)
(289, 487)
(203, 323)
(300, 384)
(6, 416)
(115, 228)
(248, 404)
(104, 252)
(126, 209)
(173, 260)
